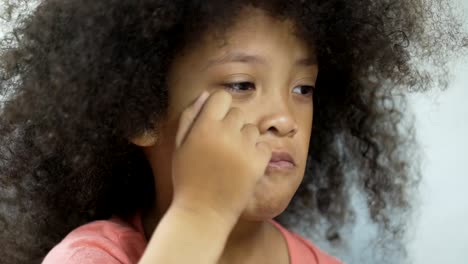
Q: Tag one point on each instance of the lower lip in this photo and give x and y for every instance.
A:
(280, 166)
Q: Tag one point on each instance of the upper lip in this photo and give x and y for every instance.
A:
(281, 156)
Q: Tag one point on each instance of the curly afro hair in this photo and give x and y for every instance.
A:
(80, 77)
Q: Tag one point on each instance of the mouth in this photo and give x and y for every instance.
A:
(281, 161)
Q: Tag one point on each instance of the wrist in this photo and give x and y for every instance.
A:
(201, 233)
(202, 212)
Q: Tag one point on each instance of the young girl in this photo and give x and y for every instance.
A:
(179, 131)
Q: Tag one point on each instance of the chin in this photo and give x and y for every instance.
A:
(264, 210)
(271, 197)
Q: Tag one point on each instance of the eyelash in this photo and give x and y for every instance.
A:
(229, 87)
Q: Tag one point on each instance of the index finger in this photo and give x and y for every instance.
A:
(188, 118)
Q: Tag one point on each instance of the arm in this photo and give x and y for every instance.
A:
(187, 236)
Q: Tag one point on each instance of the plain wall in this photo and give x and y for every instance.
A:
(441, 228)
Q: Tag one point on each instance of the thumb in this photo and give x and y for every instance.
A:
(188, 117)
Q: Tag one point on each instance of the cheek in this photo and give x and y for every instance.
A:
(305, 120)
(302, 147)
(303, 110)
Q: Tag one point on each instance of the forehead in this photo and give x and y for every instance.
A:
(252, 32)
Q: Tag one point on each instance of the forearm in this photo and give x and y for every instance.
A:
(187, 237)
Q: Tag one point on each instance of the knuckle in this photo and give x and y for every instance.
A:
(236, 113)
(235, 110)
(251, 129)
(254, 128)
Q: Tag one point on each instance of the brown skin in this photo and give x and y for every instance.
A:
(279, 113)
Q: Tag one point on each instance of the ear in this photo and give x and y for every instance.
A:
(146, 139)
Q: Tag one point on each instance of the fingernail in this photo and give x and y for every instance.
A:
(204, 95)
(201, 98)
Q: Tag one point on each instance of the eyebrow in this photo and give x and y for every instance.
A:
(242, 57)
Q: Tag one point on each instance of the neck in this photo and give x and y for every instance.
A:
(246, 240)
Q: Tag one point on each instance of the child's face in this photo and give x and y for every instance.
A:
(277, 71)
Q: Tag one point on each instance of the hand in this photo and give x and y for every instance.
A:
(218, 158)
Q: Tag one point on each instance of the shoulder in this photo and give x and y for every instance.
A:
(104, 241)
(321, 256)
(302, 251)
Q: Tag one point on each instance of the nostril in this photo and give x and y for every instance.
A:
(286, 130)
(273, 129)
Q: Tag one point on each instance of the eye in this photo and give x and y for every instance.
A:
(306, 90)
(239, 87)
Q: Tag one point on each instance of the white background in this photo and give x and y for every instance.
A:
(441, 228)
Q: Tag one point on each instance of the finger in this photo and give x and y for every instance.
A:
(216, 106)
(265, 152)
(234, 118)
(188, 117)
(251, 131)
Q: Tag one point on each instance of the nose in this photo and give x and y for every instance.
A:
(276, 118)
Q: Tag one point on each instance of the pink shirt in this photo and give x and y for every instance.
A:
(116, 241)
